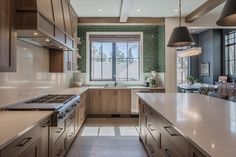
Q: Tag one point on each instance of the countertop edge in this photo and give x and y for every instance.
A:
(2, 146)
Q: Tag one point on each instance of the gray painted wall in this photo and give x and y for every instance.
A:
(210, 41)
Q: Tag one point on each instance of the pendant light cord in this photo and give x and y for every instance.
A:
(180, 13)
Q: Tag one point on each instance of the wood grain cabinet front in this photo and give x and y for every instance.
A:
(33, 143)
(7, 36)
(94, 101)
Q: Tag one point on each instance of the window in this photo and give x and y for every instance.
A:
(230, 56)
(182, 69)
(114, 58)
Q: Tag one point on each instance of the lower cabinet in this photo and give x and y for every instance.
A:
(33, 143)
(110, 101)
(160, 138)
(81, 111)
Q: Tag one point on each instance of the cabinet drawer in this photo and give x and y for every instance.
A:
(70, 118)
(18, 146)
(56, 132)
(194, 152)
(70, 134)
(152, 125)
(60, 147)
(152, 146)
(177, 140)
(168, 148)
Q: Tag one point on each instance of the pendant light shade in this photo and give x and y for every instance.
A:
(180, 36)
(228, 15)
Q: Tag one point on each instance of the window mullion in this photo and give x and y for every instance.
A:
(114, 61)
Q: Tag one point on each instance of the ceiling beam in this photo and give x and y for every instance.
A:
(202, 10)
(116, 20)
(125, 10)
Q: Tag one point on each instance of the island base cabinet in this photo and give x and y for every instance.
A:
(160, 138)
(60, 147)
(33, 143)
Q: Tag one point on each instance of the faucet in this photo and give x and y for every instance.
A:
(116, 82)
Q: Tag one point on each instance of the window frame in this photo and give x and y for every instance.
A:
(88, 58)
(228, 60)
(182, 79)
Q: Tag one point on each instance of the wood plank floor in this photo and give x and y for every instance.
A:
(108, 137)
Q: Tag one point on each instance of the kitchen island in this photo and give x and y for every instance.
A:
(188, 124)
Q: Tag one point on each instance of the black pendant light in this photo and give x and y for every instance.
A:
(180, 36)
(228, 15)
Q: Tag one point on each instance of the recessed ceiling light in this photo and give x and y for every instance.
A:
(47, 40)
(138, 10)
(176, 10)
(99, 10)
(35, 33)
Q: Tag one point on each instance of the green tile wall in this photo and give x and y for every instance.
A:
(153, 44)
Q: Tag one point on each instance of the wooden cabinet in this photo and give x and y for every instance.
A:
(60, 61)
(108, 101)
(94, 101)
(161, 139)
(81, 111)
(33, 143)
(7, 36)
(67, 17)
(123, 105)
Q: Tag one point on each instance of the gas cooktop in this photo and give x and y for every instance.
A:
(47, 102)
(48, 99)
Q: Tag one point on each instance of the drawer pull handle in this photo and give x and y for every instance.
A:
(171, 131)
(71, 134)
(45, 124)
(167, 152)
(59, 130)
(59, 153)
(150, 127)
(24, 141)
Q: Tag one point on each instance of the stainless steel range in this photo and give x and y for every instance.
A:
(62, 105)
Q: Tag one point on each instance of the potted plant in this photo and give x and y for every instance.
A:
(190, 79)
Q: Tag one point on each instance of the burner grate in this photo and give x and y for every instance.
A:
(53, 99)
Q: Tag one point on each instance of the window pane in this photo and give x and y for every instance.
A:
(226, 68)
(106, 50)
(96, 49)
(133, 50)
(231, 52)
(96, 67)
(231, 68)
(121, 50)
(107, 69)
(185, 62)
(121, 69)
(133, 69)
(226, 53)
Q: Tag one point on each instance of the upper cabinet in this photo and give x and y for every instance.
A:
(7, 37)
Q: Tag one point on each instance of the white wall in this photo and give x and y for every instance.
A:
(33, 70)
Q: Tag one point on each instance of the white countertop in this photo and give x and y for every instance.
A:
(208, 122)
(14, 95)
(15, 123)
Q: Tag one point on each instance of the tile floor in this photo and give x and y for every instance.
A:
(108, 137)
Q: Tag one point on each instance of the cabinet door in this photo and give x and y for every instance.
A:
(142, 122)
(94, 102)
(58, 14)
(7, 37)
(123, 105)
(34, 150)
(108, 101)
(44, 131)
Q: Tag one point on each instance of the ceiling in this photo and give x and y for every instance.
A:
(148, 8)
